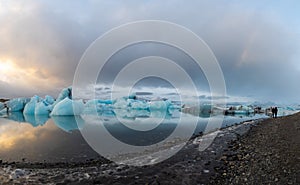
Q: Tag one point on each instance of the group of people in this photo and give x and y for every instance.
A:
(274, 112)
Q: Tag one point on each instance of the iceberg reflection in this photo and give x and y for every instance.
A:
(68, 123)
(38, 120)
(16, 116)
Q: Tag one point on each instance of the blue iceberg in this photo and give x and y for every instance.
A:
(65, 93)
(1, 106)
(17, 104)
(49, 100)
(68, 107)
(44, 107)
(160, 105)
(30, 106)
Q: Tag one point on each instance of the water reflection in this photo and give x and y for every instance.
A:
(16, 116)
(38, 120)
(42, 143)
(58, 138)
(68, 123)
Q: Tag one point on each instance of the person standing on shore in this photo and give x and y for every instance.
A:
(5, 106)
(275, 112)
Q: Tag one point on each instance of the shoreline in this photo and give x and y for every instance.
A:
(268, 154)
(189, 166)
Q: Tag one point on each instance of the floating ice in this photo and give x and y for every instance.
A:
(97, 106)
(107, 102)
(66, 92)
(121, 103)
(160, 105)
(133, 102)
(138, 104)
(17, 104)
(30, 106)
(68, 107)
(45, 106)
(1, 106)
(49, 100)
(42, 109)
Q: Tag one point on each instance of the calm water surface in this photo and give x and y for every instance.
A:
(41, 138)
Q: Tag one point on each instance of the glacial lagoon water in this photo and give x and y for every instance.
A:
(58, 139)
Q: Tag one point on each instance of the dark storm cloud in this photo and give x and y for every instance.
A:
(254, 47)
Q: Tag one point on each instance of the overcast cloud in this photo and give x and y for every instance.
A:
(256, 43)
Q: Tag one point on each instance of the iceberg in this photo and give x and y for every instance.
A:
(42, 109)
(30, 106)
(17, 104)
(68, 107)
(65, 93)
(96, 106)
(107, 102)
(1, 106)
(120, 103)
(90, 107)
(45, 106)
(160, 105)
(138, 104)
(49, 100)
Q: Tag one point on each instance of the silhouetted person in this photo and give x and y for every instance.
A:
(70, 93)
(275, 112)
(5, 106)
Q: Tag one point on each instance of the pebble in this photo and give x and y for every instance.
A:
(17, 174)
(206, 171)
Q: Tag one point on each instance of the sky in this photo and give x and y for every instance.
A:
(257, 43)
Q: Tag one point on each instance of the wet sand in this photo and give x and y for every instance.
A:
(256, 152)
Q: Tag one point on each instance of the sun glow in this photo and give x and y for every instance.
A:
(6, 68)
(24, 76)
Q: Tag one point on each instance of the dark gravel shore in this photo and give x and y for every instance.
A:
(256, 152)
(268, 154)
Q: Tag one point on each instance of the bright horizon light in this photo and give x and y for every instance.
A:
(6, 69)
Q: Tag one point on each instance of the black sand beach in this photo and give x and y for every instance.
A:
(255, 152)
(268, 154)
